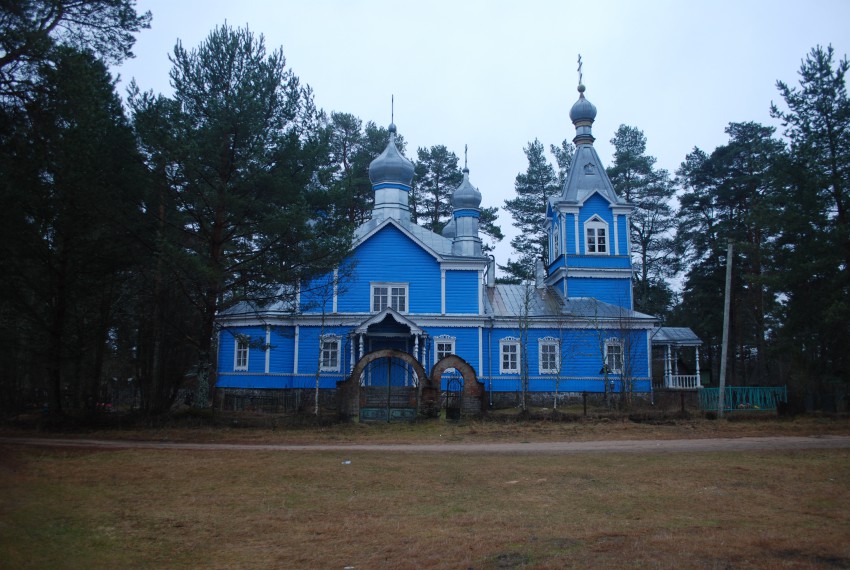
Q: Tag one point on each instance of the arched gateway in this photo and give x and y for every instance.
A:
(468, 398)
(385, 401)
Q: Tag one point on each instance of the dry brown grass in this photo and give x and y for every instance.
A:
(249, 509)
(248, 428)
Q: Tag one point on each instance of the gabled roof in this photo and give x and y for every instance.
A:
(391, 314)
(435, 244)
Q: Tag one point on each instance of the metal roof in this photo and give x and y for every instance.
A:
(507, 300)
(677, 336)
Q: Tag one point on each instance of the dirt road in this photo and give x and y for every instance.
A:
(742, 444)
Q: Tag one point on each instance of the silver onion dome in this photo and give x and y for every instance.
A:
(391, 166)
(466, 195)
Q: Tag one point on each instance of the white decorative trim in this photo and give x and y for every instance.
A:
(548, 341)
(334, 339)
(336, 289)
(241, 347)
(295, 350)
(505, 342)
(610, 342)
(596, 223)
(268, 348)
(442, 291)
(444, 339)
(616, 235)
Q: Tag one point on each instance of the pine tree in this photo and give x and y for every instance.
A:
(70, 199)
(436, 176)
(814, 240)
(30, 30)
(730, 195)
(652, 223)
(241, 144)
(534, 187)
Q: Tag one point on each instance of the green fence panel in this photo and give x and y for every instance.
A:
(762, 398)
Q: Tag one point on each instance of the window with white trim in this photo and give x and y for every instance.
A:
(614, 355)
(443, 346)
(596, 236)
(330, 354)
(509, 355)
(389, 295)
(240, 354)
(549, 351)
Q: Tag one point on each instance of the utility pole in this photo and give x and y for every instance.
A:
(724, 349)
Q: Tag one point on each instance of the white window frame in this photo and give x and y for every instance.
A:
(509, 345)
(391, 296)
(615, 367)
(444, 340)
(593, 227)
(241, 353)
(334, 345)
(547, 342)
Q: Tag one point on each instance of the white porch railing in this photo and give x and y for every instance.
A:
(682, 381)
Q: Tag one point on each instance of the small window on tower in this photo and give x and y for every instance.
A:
(596, 236)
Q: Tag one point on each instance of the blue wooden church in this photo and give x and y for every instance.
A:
(417, 320)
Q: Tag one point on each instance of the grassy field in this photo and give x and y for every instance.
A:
(62, 508)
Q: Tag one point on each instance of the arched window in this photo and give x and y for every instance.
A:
(595, 236)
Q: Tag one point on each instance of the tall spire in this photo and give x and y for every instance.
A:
(583, 113)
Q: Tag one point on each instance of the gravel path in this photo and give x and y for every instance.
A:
(556, 448)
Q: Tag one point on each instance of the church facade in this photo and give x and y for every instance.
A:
(427, 302)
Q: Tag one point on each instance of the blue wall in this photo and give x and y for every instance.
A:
(391, 256)
(462, 289)
(614, 291)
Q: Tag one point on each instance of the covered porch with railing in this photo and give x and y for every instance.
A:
(675, 353)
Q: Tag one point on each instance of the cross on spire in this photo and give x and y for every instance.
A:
(579, 69)
(465, 149)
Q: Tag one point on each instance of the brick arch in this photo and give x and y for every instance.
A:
(349, 389)
(473, 389)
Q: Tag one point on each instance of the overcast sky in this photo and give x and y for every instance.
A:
(496, 74)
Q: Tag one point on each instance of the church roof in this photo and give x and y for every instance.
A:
(508, 300)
